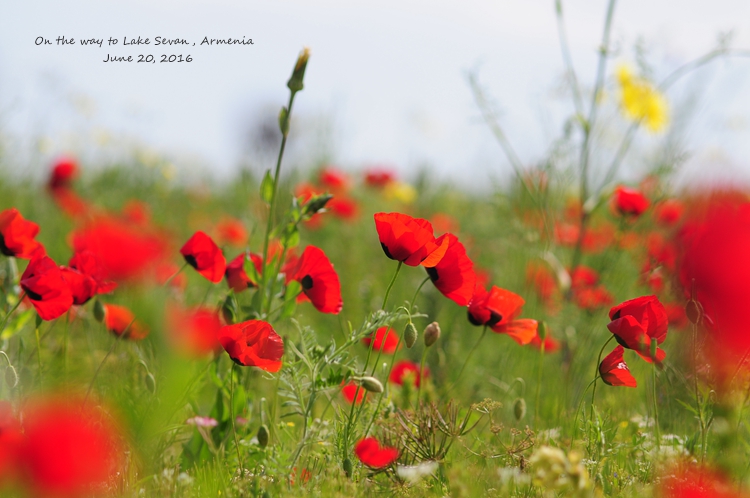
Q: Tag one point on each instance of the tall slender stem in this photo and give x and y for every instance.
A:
(468, 358)
(596, 374)
(38, 353)
(390, 285)
(421, 376)
(411, 304)
(567, 59)
(231, 414)
(539, 382)
(5, 320)
(656, 410)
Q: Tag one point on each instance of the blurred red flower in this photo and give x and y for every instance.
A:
(193, 332)
(70, 449)
(379, 177)
(406, 369)
(333, 179)
(87, 263)
(236, 275)
(370, 453)
(253, 343)
(17, 235)
(697, 482)
(540, 277)
(583, 276)
(592, 298)
(231, 231)
(202, 253)
(120, 320)
(11, 439)
(669, 212)
(46, 288)
(454, 275)
(319, 280)
(385, 339)
(498, 310)
(551, 345)
(629, 202)
(343, 207)
(81, 286)
(63, 172)
(350, 389)
(409, 240)
(614, 371)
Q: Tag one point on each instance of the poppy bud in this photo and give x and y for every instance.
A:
(295, 83)
(519, 408)
(431, 334)
(542, 330)
(317, 203)
(98, 311)
(11, 377)
(694, 311)
(410, 335)
(371, 384)
(151, 383)
(347, 466)
(228, 311)
(262, 436)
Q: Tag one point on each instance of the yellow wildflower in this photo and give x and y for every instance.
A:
(402, 192)
(641, 101)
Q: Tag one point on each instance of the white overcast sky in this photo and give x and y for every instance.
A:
(388, 77)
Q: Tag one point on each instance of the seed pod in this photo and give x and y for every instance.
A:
(371, 384)
(262, 436)
(151, 383)
(519, 408)
(11, 377)
(410, 335)
(694, 311)
(542, 330)
(431, 334)
(98, 311)
(347, 466)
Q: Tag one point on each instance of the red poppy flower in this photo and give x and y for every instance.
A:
(11, 439)
(333, 179)
(551, 345)
(231, 231)
(697, 482)
(319, 280)
(668, 213)
(82, 287)
(498, 310)
(379, 177)
(87, 263)
(592, 298)
(632, 334)
(63, 173)
(120, 320)
(351, 389)
(370, 453)
(629, 202)
(343, 207)
(124, 251)
(236, 275)
(614, 371)
(648, 311)
(70, 448)
(454, 275)
(253, 343)
(410, 240)
(70, 203)
(17, 235)
(136, 212)
(46, 289)
(406, 369)
(193, 332)
(385, 338)
(583, 276)
(540, 276)
(202, 253)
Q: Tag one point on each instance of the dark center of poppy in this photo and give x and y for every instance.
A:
(238, 362)
(3, 248)
(190, 259)
(307, 282)
(33, 295)
(616, 315)
(473, 320)
(495, 318)
(386, 251)
(620, 341)
(433, 273)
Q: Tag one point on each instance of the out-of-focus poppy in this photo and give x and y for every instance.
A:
(136, 212)
(351, 389)
(379, 177)
(333, 179)
(231, 231)
(551, 345)
(614, 371)
(498, 310)
(63, 172)
(318, 279)
(202, 253)
(343, 207)
(691, 481)
(17, 235)
(404, 370)
(71, 203)
(454, 275)
(629, 202)
(87, 263)
(443, 223)
(120, 320)
(167, 272)
(70, 448)
(236, 275)
(44, 285)
(125, 252)
(540, 277)
(583, 276)
(82, 287)
(661, 251)
(592, 298)
(669, 212)
(193, 332)
(10, 443)
(253, 343)
(409, 240)
(385, 339)
(373, 455)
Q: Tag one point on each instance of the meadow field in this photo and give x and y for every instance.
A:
(340, 332)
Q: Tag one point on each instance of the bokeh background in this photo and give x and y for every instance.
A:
(386, 83)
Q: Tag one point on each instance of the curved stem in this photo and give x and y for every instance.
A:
(167, 281)
(390, 285)
(125, 331)
(387, 378)
(596, 374)
(468, 358)
(539, 382)
(14, 308)
(578, 410)
(567, 59)
(411, 303)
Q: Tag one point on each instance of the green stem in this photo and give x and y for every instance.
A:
(167, 281)
(38, 353)
(14, 308)
(656, 410)
(421, 376)
(65, 346)
(231, 414)
(468, 358)
(390, 285)
(596, 374)
(539, 382)
(411, 304)
(387, 378)
(578, 410)
(125, 331)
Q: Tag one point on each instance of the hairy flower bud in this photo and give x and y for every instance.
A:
(694, 311)
(99, 311)
(347, 465)
(295, 83)
(371, 384)
(262, 436)
(151, 383)
(11, 377)
(431, 334)
(410, 335)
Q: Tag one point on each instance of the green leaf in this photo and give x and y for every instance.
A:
(290, 299)
(267, 187)
(15, 325)
(250, 270)
(291, 236)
